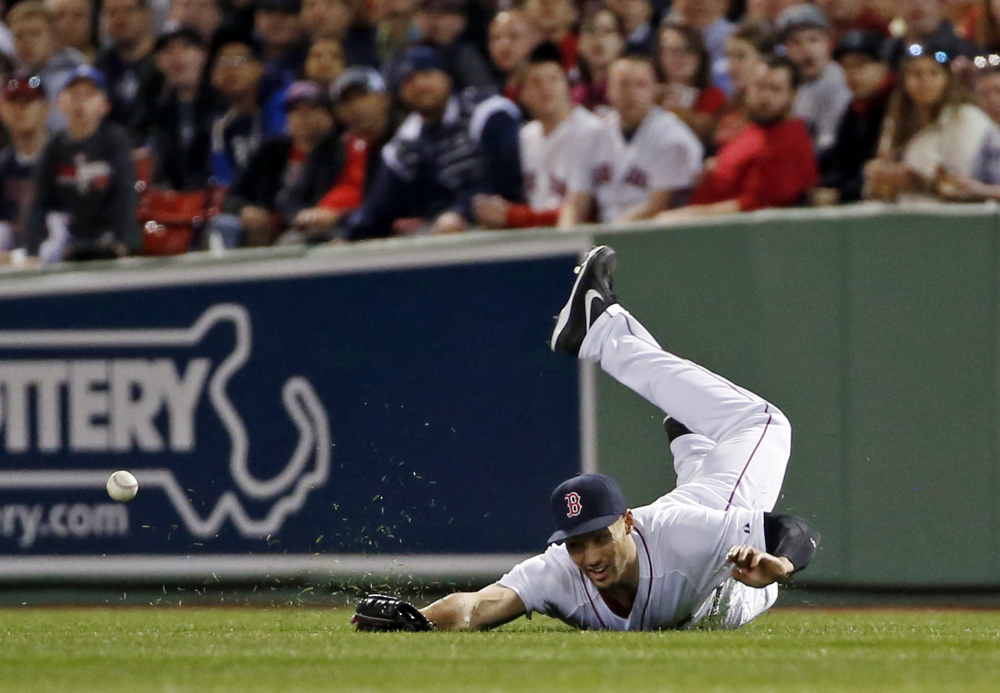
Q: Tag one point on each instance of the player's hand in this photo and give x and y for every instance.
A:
(757, 568)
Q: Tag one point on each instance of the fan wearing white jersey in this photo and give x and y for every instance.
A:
(559, 140)
(647, 160)
(709, 553)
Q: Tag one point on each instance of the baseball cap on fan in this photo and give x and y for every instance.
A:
(305, 92)
(585, 503)
(804, 16)
(24, 87)
(86, 73)
(361, 79)
(420, 59)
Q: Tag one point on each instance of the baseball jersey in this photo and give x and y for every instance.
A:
(681, 548)
(662, 154)
(548, 160)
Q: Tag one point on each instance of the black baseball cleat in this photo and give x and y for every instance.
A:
(591, 295)
(674, 428)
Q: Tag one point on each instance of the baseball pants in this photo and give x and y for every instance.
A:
(735, 455)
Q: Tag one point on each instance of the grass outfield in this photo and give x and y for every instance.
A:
(287, 649)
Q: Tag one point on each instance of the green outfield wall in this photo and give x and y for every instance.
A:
(875, 329)
(877, 334)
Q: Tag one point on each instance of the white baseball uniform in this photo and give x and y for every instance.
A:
(729, 472)
(548, 161)
(662, 154)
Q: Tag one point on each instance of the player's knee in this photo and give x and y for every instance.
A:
(779, 424)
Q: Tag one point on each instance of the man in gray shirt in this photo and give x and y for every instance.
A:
(804, 32)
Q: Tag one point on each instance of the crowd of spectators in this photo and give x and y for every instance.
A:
(306, 121)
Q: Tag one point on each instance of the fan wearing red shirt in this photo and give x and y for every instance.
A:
(363, 107)
(770, 164)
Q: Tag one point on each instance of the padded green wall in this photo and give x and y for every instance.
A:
(878, 337)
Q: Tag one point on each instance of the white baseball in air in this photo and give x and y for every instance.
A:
(122, 486)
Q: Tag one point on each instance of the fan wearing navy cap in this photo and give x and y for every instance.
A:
(871, 82)
(127, 62)
(708, 553)
(237, 132)
(363, 106)
(288, 173)
(85, 199)
(176, 126)
(23, 110)
(277, 25)
(450, 148)
(442, 24)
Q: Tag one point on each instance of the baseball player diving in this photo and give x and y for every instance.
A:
(709, 554)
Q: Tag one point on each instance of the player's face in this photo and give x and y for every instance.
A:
(426, 92)
(631, 91)
(770, 97)
(925, 80)
(810, 50)
(988, 94)
(603, 555)
(545, 91)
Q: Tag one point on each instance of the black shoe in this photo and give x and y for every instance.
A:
(675, 429)
(591, 296)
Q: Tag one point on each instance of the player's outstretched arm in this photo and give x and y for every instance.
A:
(488, 608)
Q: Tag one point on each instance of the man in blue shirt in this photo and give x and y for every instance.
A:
(450, 148)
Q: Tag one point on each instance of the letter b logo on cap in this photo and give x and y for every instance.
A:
(573, 501)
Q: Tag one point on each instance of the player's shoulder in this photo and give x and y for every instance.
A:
(550, 571)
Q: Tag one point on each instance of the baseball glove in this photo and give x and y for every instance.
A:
(383, 612)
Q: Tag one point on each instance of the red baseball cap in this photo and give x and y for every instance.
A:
(24, 87)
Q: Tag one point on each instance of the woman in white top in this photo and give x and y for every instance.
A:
(933, 136)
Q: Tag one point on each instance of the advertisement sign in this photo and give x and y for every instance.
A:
(267, 412)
